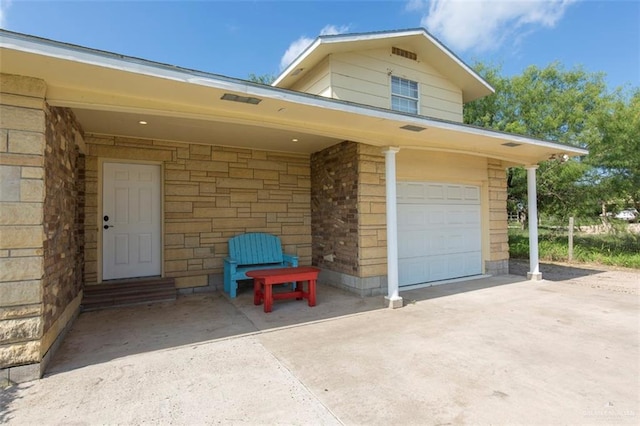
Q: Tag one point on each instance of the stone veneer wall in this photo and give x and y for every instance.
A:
(63, 222)
(498, 263)
(349, 217)
(22, 142)
(39, 284)
(211, 193)
(334, 208)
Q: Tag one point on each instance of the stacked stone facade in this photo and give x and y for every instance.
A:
(348, 217)
(39, 280)
(334, 208)
(211, 193)
(63, 246)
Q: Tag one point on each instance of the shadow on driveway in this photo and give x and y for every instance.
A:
(9, 394)
(101, 336)
(551, 271)
(449, 289)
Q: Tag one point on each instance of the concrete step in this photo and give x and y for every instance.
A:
(128, 292)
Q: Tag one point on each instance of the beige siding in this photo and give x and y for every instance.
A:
(440, 167)
(364, 77)
(317, 81)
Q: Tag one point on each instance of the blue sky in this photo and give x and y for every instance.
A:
(236, 38)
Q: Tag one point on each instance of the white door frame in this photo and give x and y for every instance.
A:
(100, 212)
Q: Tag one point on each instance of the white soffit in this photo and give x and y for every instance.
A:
(132, 85)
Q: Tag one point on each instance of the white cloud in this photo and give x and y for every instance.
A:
(479, 25)
(413, 5)
(4, 7)
(298, 46)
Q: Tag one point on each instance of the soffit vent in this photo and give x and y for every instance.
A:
(404, 53)
(413, 128)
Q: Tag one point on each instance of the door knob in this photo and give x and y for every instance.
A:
(108, 226)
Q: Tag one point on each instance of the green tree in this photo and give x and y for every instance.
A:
(262, 79)
(615, 156)
(552, 104)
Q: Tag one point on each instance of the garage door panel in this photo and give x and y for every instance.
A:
(437, 244)
(456, 217)
(456, 244)
(413, 216)
(435, 217)
(455, 192)
(411, 270)
(439, 232)
(472, 193)
(413, 244)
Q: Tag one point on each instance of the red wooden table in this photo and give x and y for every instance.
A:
(264, 279)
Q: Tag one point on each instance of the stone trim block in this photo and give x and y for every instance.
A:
(9, 183)
(17, 118)
(21, 268)
(20, 329)
(26, 142)
(20, 293)
(17, 354)
(364, 287)
(22, 85)
(16, 237)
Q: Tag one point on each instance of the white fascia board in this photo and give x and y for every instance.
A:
(339, 38)
(293, 65)
(85, 55)
(458, 61)
(347, 38)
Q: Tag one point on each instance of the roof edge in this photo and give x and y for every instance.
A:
(58, 49)
(375, 35)
(47, 47)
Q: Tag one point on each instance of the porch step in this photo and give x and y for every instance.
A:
(128, 292)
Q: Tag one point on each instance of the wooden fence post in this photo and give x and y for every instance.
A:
(571, 239)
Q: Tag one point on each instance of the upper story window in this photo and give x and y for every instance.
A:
(404, 95)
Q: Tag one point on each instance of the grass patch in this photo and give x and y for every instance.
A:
(619, 249)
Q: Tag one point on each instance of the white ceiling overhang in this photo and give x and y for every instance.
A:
(110, 94)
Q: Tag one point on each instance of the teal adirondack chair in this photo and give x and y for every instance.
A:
(251, 251)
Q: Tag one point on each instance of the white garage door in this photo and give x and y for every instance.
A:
(439, 234)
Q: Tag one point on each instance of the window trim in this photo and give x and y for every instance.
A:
(401, 96)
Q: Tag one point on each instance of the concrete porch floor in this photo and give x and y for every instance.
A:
(496, 350)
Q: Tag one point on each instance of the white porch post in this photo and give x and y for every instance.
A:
(534, 266)
(393, 298)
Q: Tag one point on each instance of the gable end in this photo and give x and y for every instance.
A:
(404, 53)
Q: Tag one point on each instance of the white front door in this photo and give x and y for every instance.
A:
(439, 232)
(131, 221)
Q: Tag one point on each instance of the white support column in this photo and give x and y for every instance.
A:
(534, 266)
(393, 298)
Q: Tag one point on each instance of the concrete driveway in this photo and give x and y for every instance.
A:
(498, 350)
